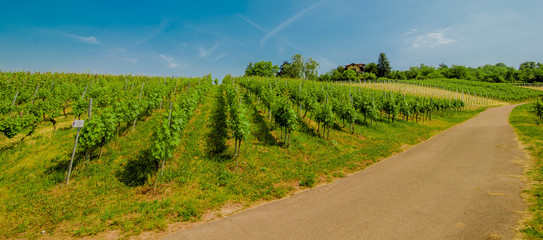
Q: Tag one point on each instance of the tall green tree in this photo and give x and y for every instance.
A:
(299, 67)
(262, 68)
(527, 65)
(383, 66)
(310, 69)
(371, 68)
(349, 74)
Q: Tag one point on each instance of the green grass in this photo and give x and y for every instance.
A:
(117, 191)
(530, 131)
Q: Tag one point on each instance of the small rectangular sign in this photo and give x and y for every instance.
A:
(78, 123)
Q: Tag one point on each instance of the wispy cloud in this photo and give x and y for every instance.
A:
(163, 25)
(266, 31)
(433, 39)
(286, 23)
(206, 52)
(89, 39)
(414, 30)
(171, 62)
(252, 23)
(217, 58)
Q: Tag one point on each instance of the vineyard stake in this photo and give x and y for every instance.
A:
(79, 125)
(135, 120)
(13, 103)
(83, 95)
(52, 83)
(87, 150)
(35, 92)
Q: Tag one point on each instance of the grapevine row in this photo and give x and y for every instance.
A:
(327, 102)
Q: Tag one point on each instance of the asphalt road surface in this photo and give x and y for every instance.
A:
(461, 184)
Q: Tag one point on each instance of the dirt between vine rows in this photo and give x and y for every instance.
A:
(464, 183)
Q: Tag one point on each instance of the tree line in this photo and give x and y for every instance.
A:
(299, 67)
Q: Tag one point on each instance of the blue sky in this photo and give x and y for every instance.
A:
(192, 38)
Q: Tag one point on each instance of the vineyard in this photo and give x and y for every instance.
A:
(499, 91)
(471, 100)
(158, 150)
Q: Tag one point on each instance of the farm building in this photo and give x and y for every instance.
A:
(357, 67)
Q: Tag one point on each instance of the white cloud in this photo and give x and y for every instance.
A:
(89, 40)
(267, 32)
(206, 52)
(219, 57)
(433, 39)
(159, 29)
(171, 62)
(286, 23)
(414, 30)
(252, 23)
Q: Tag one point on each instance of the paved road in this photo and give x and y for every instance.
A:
(461, 184)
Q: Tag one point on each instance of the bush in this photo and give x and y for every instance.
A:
(308, 180)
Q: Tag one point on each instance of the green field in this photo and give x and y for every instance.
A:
(499, 91)
(122, 189)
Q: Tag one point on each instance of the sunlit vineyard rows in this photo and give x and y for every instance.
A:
(472, 101)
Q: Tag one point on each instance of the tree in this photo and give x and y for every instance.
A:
(262, 68)
(527, 65)
(349, 74)
(383, 66)
(299, 68)
(249, 69)
(284, 69)
(371, 68)
(310, 69)
(335, 74)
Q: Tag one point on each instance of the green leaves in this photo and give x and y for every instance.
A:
(169, 131)
(262, 68)
(80, 106)
(537, 109)
(237, 117)
(283, 114)
(12, 126)
(98, 130)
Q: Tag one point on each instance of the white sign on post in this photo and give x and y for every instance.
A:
(78, 123)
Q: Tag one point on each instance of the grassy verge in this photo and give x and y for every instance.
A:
(530, 132)
(116, 192)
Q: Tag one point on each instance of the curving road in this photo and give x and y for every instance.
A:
(462, 184)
